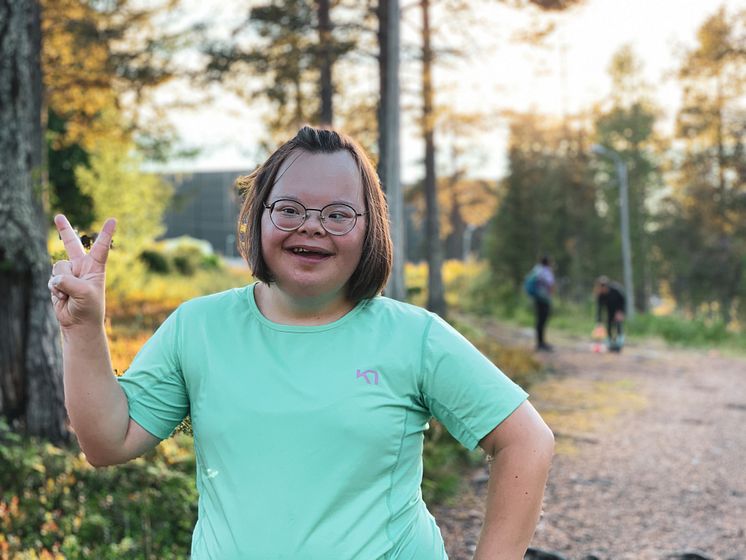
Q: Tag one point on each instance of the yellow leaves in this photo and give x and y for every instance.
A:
(77, 76)
(51, 449)
(124, 347)
(10, 509)
(456, 275)
(714, 36)
(80, 463)
(176, 449)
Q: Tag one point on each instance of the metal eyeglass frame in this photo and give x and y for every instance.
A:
(270, 207)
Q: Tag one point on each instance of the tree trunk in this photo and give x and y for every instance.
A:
(299, 101)
(325, 66)
(454, 244)
(31, 391)
(435, 298)
(388, 138)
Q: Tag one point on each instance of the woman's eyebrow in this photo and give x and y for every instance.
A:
(296, 199)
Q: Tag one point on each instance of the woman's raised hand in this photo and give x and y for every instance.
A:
(78, 284)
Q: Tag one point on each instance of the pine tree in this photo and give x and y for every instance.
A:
(704, 229)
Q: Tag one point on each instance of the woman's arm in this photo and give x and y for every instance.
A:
(95, 402)
(521, 449)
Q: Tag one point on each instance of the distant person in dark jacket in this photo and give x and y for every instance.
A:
(539, 285)
(610, 297)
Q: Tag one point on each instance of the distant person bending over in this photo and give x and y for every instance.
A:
(540, 286)
(308, 391)
(610, 297)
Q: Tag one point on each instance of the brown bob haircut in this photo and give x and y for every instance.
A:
(373, 270)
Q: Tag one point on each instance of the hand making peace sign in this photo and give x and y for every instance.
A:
(78, 284)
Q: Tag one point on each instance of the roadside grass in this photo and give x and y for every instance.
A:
(578, 410)
(479, 294)
(676, 330)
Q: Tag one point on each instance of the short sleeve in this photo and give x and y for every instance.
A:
(154, 383)
(464, 390)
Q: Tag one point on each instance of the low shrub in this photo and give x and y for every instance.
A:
(187, 259)
(183, 255)
(155, 261)
(444, 462)
(53, 504)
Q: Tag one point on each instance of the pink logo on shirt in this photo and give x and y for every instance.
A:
(365, 373)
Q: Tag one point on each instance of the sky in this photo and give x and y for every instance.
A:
(569, 74)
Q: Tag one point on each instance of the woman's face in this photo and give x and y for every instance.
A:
(310, 262)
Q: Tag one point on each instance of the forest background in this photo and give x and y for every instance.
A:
(93, 120)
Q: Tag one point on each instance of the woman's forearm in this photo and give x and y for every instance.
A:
(518, 475)
(95, 402)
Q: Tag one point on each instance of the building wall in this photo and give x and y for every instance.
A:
(205, 206)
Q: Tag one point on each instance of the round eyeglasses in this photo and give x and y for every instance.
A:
(289, 215)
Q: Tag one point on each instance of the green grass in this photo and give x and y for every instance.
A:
(695, 332)
(579, 320)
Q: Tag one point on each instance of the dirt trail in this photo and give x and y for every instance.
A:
(651, 455)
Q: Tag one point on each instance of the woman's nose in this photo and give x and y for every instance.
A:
(312, 224)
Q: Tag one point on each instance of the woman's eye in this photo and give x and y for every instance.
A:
(288, 210)
(338, 214)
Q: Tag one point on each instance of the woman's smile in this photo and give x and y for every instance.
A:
(310, 253)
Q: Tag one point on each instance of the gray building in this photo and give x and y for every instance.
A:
(205, 206)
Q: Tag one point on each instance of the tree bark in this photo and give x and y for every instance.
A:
(389, 166)
(31, 390)
(435, 296)
(454, 243)
(325, 66)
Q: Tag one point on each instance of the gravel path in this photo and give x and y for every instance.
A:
(651, 460)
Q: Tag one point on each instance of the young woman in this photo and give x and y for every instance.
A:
(308, 391)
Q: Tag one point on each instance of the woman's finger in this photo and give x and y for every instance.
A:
(58, 294)
(62, 267)
(100, 250)
(54, 290)
(69, 285)
(73, 246)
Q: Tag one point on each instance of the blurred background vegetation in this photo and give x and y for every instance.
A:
(470, 239)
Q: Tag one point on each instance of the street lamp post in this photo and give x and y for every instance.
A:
(621, 170)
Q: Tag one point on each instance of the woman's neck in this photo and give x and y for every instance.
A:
(281, 307)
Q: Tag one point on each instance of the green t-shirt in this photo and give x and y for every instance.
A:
(309, 438)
